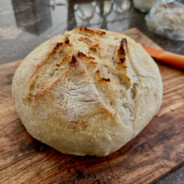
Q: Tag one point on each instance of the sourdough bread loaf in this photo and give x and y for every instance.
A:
(87, 92)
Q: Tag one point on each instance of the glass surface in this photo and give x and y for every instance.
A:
(26, 24)
(144, 5)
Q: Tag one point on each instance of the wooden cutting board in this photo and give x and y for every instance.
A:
(157, 150)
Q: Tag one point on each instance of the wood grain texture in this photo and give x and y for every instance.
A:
(157, 150)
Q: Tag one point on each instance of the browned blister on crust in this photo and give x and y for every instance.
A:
(123, 45)
(82, 55)
(122, 51)
(89, 31)
(74, 61)
(86, 40)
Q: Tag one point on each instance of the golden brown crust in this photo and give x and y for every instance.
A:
(89, 31)
(53, 50)
(86, 40)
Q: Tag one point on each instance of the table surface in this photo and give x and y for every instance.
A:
(26, 24)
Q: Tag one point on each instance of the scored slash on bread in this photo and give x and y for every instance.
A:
(71, 59)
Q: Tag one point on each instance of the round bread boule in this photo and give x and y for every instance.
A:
(87, 92)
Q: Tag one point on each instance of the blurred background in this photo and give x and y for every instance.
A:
(26, 24)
